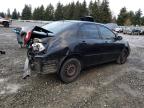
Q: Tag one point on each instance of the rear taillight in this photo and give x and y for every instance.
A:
(27, 38)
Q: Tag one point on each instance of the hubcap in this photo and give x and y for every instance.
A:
(70, 70)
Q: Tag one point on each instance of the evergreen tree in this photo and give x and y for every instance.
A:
(77, 11)
(94, 11)
(100, 11)
(122, 17)
(59, 12)
(90, 8)
(41, 13)
(83, 9)
(14, 14)
(137, 17)
(68, 11)
(142, 21)
(105, 12)
(18, 14)
(8, 13)
(26, 12)
(71, 11)
(131, 16)
(36, 14)
(2, 14)
(49, 13)
(114, 19)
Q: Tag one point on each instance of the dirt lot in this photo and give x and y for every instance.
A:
(105, 86)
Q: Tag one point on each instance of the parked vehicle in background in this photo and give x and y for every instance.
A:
(127, 30)
(142, 31)
(66, 47)
(136, 31)
(112, 26)
(119, 30)
(131, 30)
(5, 22)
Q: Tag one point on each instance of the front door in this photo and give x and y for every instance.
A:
(111, 48)
(90, 45)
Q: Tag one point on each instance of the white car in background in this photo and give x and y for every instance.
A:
(4, 22)
(118, 30)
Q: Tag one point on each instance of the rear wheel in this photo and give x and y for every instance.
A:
(70, 70)
(6, 24)
(123, 57)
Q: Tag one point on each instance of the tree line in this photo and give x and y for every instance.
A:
(15, 14)
(72, 11)
(130, 18)
(99, 10)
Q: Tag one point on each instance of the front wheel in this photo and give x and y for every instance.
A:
(123, 57)
(70, 70)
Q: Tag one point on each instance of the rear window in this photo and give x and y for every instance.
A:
(57, 27)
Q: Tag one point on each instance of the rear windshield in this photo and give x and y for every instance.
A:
(58, 26)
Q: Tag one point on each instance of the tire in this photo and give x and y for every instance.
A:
(6, 24)
(123, 57)
(70, 70)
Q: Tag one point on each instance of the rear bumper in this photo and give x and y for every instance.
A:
(43, 66)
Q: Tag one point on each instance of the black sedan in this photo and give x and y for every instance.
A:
(66, 47)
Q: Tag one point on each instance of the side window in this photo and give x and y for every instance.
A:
(89, 31)
(106, 33)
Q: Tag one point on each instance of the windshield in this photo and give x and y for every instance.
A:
(56, 27)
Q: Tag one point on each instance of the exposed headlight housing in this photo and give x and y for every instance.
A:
(38, 47)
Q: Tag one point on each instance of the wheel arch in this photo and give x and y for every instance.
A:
(128, 50)
(4, 22)
(75, 55)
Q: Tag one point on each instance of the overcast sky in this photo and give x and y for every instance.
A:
(115, 5)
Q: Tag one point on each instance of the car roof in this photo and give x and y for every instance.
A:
(81, 22)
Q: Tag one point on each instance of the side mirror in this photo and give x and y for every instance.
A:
(118, 38)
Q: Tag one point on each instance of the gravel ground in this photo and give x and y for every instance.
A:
(105, 86)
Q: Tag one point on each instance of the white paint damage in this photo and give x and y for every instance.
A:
(10, 89)
(27, 70)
